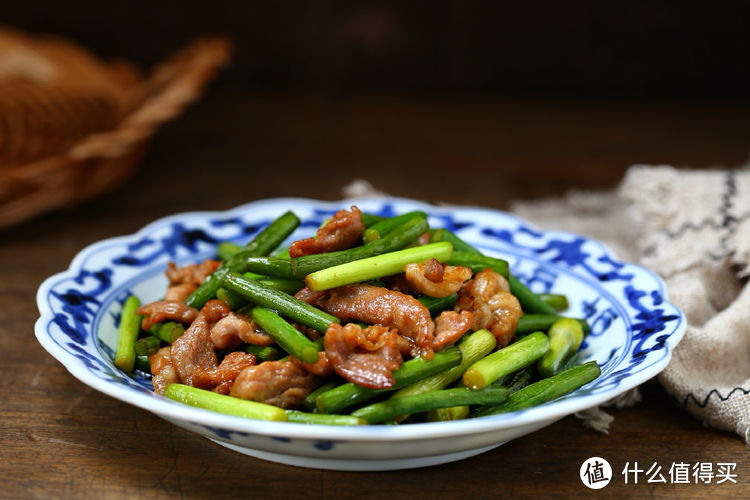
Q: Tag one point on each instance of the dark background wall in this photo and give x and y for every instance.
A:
(639, 48)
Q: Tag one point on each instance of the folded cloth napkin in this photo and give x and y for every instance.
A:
(693, 228)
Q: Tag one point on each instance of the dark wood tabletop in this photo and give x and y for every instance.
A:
(63, 439)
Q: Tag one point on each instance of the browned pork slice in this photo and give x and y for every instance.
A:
(435, 280)
(184, 280)
(235, 328)
(193, 274)
(307, 295)
(343, 231)
(178, 293)
(380, 306)
(280, 383)
(163, 310)
(449, 327)
(321, 368)
(193, 352)
(221, 378)
(488, 297)
(365, 357)
(162, 370)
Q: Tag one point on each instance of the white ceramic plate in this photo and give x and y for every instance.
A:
(634, 328)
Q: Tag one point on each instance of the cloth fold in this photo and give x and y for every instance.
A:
(692, 227)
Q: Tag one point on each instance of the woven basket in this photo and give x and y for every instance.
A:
(72, 126)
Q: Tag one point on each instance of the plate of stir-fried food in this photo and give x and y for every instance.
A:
(367, 334)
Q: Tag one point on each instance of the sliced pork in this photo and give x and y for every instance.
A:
(280, 383)
(365, 357)
(221, 378)
(235, 328)
(488, 297)
(449, 327)
(162, 370)
(193, 353)
(380, 306)
(193, 274)
(166, 310)
(343, 231)
(435, 280)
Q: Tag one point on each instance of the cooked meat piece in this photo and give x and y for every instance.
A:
(343, 231)
(322, 368)
(449, 327)
(376, 305)
(488, 297)
(178, 293)
(405, 345)
(488, 282)
(163, 310)
(307, 295)
(193, 352)
(221, 378)
(162, 370)
(235, 328)
(365, 357)
(433, 270)
(279, 383)
(193, 273)
(434, 280)
(505, 313)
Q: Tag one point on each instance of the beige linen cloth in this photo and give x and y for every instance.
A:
(693, 228)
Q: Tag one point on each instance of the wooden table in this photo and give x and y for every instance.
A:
(63, 439)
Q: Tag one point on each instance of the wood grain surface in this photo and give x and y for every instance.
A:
(61, 439)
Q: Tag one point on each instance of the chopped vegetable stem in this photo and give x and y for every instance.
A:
(302, 417)
(473, 347)
(147, 345)
(285, 304)
(477, 262)
(417, 403)
(400, 237)
(448, 414)
(262, 244)
(370, 219)
(263, 352)
(167, 332)
(130, 326)
(226, 250)
(311, 398)
(377, 267)
(347, 395)
(385, 226)
(271, 266)
(529, 323)
(547, 389)
(558, 301)
(459, 245)
(565, 337)
(288, 337)
(224, 404)
(506, 360)
(530, 302)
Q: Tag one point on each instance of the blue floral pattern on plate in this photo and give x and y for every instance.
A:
(634, 327)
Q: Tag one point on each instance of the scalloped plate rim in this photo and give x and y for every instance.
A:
(168, 409)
